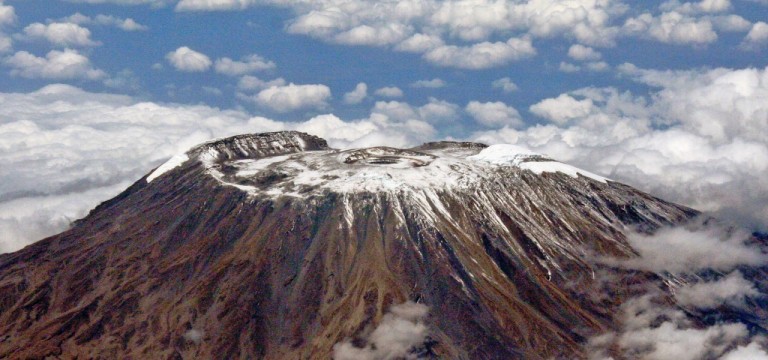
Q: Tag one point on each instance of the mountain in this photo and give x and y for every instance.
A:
(276, 246)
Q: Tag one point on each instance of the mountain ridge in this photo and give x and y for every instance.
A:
(503, 264)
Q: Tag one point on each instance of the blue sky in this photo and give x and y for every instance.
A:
(263, 28)
(668, 96)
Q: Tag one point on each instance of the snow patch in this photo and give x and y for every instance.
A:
(539, 167)
(503, 154)
(513, 155)
(169, 165)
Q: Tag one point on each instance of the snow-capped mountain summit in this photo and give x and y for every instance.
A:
(276, 246)
(298, 164)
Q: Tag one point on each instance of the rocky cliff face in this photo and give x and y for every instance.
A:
(275, 246)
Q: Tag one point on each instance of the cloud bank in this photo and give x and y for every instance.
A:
(697, 139)
(395, 337)
(64, 149)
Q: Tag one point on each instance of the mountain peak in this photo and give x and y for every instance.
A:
(276, 246)
(298, 164)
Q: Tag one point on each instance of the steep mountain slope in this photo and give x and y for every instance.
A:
(276, 246)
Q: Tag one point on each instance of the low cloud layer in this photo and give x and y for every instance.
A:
(395, 337)
(698, 266)
(697, 139)
(64, 150)
(731, 290)
(679, 250)
(654, 331)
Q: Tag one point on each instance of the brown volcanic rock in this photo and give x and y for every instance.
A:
(237, 254)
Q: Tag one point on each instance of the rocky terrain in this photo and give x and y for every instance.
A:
(276, 246)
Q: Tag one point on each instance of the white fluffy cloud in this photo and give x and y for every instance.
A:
(505, 84)
(698, 139)
(126, 24)
(679, 250)
(64, 150)
(292, 97)
(157, 3)
(703, 6)
(395, 337)
(249, 82)
(186, 59)
(481, 55)
(7, 15)
(249, 64)
(435, 111)
(757, 36)
(494, 114)
(582, 53)
(357, 95)
(672, 27)
(389, 92)
(66, 64)
(417, 118)
(198, 5)
(732, 290)
(60, 34)
(562, 109)
(651, 329)
(430, 84)
(454, 33)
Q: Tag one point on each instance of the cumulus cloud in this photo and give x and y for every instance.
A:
(66, 64)
(568, 67)
(732, 22)
(64, 149)
(397, 336)
(582, 53)
(155, 3)
(430, 84)
(732, 290)
(126, 24)
(249, 82)
(679, 250)
(562, 109)
(494, 114)
(7, 15)
(481, 55)
(465, 34)
(438, 111)
(419, 43)
(757, 36)
(672, 27)
(752, 351)
(7, 18)
(373, 35)
(292, 97)
(389, 91)
(186, 59)
(704, 6)
(674, 338)
(249, 64)
(505, 84)
(199, 5)
(651, 329)
(357, 95)
(697, 139)
(434, 111)
(60, 34)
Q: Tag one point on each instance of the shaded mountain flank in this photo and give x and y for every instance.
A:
(275, 246)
